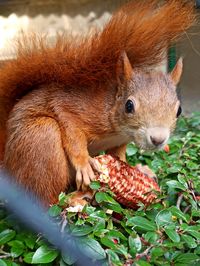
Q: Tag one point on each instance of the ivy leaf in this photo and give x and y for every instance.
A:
(44, 254)
(6, 236)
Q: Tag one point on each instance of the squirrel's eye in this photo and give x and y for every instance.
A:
(129, 106)
(179, 111)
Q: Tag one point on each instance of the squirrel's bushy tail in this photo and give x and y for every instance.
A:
(143, 29)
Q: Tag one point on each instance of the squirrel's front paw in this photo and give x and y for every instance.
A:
(146, 170)
(84, 175)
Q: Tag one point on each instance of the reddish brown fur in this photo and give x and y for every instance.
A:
(73, 100)
(85, 63)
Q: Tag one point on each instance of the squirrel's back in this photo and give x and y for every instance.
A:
(143, 29)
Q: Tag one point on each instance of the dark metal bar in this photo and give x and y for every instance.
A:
(31, 214)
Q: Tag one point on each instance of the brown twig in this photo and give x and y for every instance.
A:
(144, 253)
(5, 256)
(179, 200)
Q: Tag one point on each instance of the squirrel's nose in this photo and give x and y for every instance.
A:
(157, 136)
(157, 140)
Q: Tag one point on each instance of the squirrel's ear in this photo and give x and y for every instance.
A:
(124, 68)
(177, 71)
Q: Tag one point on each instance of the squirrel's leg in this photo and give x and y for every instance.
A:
(35, 157)
(119, 152)
(75, 145)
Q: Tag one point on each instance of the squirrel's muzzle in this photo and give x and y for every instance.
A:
(157, 136)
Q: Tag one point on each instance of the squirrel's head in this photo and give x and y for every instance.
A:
(148, 106)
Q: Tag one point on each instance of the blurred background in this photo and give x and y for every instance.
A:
(79, 16)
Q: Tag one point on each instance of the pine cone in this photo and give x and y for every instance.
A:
(129, 185)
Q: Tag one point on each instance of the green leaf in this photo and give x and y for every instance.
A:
(91, 248)
(95, 185)
(190, 242)
(151, 237)
(28, 257)
(135, 243)
(193, 233)
(6, 236)
(109, 202)
(122, 250)
(175, 184)
(100, 214)
(157, 252)
(69, 259)
(116, 234)
(172, 234)
(54, 211)
(106, 241)
(104, 197)
(114, 258)
(82, 230)
(164, 218)
(178, 213)
(182, 180)
(101, 224)
(62, 199)
(114, 207)
(16, 244)
(186, 258)
(16, 252)
(175, 168)
(17, 248)
(44, 254)
(2, 263)
(30, 240)
(142, 263)
(141, 223)
(131, 149)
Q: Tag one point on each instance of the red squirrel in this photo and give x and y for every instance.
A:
(60, 105)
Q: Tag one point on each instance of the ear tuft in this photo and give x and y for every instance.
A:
(177, 71)
(124, 68)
